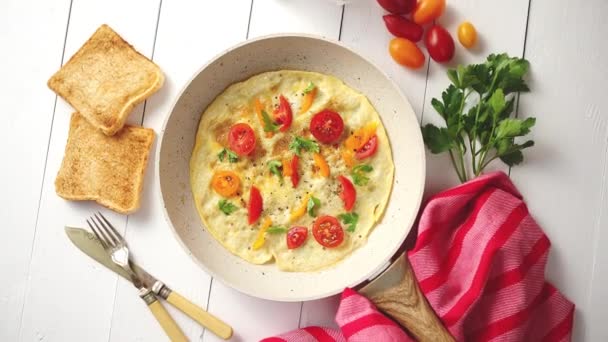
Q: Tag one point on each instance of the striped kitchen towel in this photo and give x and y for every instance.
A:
(480, 261)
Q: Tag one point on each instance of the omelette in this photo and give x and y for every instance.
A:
(293, 167)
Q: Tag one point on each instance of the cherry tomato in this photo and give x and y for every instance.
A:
(440, 44)
(348, 194)
(295, 176)
(283, 114)
(241, 139)
(225, 183)
(369, 149)
(401, 27)
(327, 126)
(467, 35)
(406, 53)
(327, 231)
(296, 237)
(428, 10)
(255, 205)
(398, 6)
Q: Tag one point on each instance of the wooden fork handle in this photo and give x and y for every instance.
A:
(171, 328)
(204, 318)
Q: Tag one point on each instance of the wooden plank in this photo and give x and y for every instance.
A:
(496, 34)
(36, 47)
(189, 34)
(564, 179)
(69, 297)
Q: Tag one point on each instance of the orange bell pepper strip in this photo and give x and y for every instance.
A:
(307, 100)
(321, 164)
(349, 158)
(360, 136)
(260, 239)
(287, 171)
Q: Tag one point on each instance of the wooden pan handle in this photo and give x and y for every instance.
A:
(397, 294)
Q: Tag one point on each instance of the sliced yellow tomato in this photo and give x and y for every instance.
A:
(260, 239)
(360, 136)
(301, 210)
(321, 164)
(225, 183)
(259, 107)
(307, 100)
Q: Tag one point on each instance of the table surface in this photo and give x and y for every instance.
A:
(52, 292)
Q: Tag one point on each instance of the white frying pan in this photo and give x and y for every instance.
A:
(302, 53)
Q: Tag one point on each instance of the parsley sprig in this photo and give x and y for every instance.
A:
(276, 230)
(269, 125)
(358, 173)
(226, 207)
(350, 219)
(312, 205)
(485, 120)
(275, 168)
(226, 152)
(298, 144)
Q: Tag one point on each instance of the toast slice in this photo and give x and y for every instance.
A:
(105, 79)
(105, 169)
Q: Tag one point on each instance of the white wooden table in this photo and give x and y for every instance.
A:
(51, 292)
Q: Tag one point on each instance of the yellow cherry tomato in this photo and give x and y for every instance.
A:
(467, 35)
(406, 53)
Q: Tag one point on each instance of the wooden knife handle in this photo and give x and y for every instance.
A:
(171, 328)
(397, 294)
(204, 318)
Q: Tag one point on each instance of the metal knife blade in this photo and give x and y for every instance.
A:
(89, 245)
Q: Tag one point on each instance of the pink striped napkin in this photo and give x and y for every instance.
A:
(480, 261)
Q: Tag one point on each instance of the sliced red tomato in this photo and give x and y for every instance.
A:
(283, 114)
(348, 194)
(327, 126)
(255, 205)
(327, 231)
(296, 237)
(369, 149)
(241, 139)
(295, 176)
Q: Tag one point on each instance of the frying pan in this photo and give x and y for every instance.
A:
(301, 52)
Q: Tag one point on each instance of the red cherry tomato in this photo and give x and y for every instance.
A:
(296, 237)
(428, 10)
(406, 53)
(348, 194)
(328, 231)
(398, 6)
(369, 149)
(254, 207)
(327, 126)
(295, 176)
(283, 114)
(401, 27)
(241, 139)
(440, 44)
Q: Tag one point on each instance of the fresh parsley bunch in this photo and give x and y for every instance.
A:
(477, 110)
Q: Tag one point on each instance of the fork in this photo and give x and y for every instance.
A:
(116, 246)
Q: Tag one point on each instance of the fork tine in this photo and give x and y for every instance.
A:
(104, 232)
(116, 233)
(101, 239)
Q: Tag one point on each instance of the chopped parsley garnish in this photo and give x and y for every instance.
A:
(226, 207)
(298, 144)
(358, 173)
(350, 219)
(226, 152)
(275, 168)
(313, 204)
(276, 230)
(269, 126)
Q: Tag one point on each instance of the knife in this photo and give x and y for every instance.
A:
(89, 245)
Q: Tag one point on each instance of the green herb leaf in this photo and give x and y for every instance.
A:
(510, 128)
(358, 174)
(226, 207)
(276, 230)
(275, 168)
(436, 139)
(310, 87)
(298, 144)
(350, 219)
(313, 204)
(269, 125)
(226, 152)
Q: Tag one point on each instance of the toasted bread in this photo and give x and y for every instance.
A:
(105, 79)
(105, 169)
